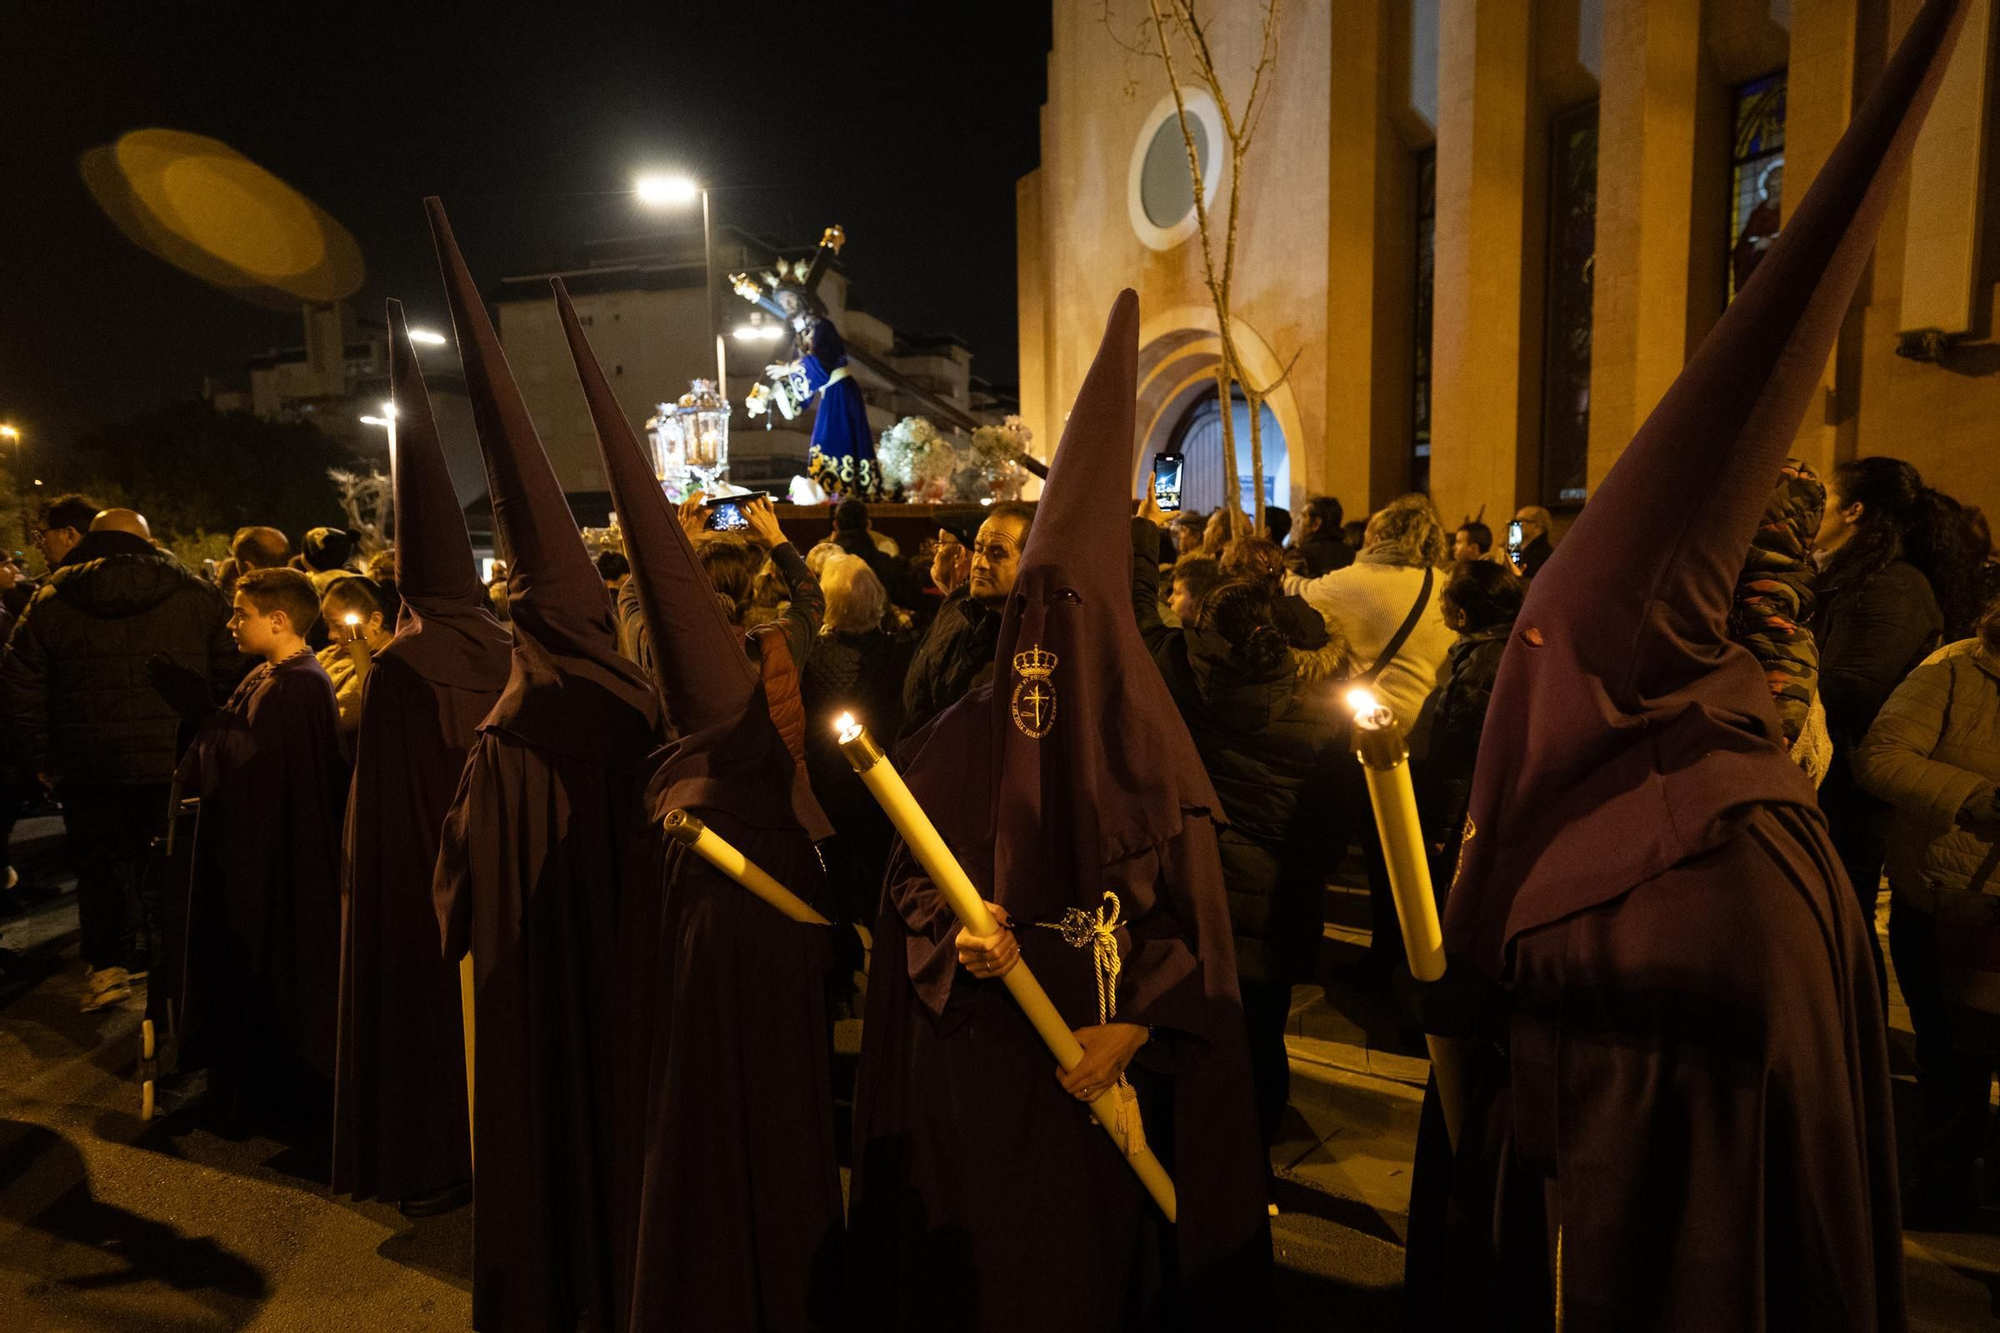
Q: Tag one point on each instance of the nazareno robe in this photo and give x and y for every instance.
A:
(728, 1192)
(535, 851)
(399, 1097)
(1690, 1126)
(984, 1195)
(400, 1127)
(264, 929)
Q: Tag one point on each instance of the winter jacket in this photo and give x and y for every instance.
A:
(955, 656)
(1871, 632)
(74, 698)
(1935, 746)
(1774, 595)
(1323, 554)
(1273, 749)
(1367, 603)
(1471, 667)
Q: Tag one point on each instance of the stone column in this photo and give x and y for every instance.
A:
(1370, 257)
(1646, 172)
(1819, 100)
(1481, 420)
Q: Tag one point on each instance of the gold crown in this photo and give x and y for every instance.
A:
(1035, 664)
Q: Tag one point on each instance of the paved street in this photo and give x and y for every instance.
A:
(108, 1224)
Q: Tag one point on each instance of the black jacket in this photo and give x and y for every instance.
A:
(1471, 667)
(74, 697)
(1273, 749)
(955, 656)
(1322, 553)
(1872, 631)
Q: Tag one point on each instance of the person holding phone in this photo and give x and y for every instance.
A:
(1528, 543)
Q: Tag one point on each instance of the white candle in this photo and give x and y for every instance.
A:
(713, 848)
(1384, 759)
(1119, 1118)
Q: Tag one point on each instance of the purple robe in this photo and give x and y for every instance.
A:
(1691, 1126)
(264, 936)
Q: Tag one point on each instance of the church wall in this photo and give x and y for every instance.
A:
(1326, 265)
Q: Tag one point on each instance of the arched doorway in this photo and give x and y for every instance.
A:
(1197, 436)
(1178, 353)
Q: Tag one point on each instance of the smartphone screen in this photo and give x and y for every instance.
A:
(1514, 535)
(1167, 482)
(726, 516)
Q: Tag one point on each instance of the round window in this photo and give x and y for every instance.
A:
(1160, 193)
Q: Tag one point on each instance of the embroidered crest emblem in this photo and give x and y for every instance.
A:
(1034, 702)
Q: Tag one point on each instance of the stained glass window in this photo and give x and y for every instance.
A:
(1572, 257)
(1420, 406)
(1756, 176)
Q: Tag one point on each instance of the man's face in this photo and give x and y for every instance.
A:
(996, 559)
(1464, 548)
(1183, 604)
(55, 543)
(1531, 525)
(255, 631)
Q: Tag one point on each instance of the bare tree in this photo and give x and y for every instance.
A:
(366, 499)
(1177, 35)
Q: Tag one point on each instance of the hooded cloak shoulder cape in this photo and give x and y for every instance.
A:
(263, 962)
(530, 864)
(728, 1206)
(1694, 1115)
(984, 1195)
(399, 1093)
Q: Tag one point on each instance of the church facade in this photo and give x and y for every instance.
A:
(1477, 239)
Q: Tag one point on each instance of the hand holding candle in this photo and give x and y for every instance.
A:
(1385, 762)
(1115, 1107)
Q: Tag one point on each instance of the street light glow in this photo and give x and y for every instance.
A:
(759, 332)
(10, 432)
(664, 190)
(427, 337)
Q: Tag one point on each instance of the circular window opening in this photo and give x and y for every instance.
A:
(1159, 193)
(1166, 189)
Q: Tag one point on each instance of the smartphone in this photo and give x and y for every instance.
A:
(1514, 541)
(725, 512)
(1167, 482)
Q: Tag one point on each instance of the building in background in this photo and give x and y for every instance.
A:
(1490, 232)
(643, 302)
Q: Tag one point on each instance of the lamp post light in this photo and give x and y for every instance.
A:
(427, 337)
(674, 190)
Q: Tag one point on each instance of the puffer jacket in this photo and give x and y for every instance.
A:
(1273, 749)
(1471, 667)
(1774, 595)
(1934, 746)
(74, 698)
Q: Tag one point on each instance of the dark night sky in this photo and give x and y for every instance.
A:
(906, 122)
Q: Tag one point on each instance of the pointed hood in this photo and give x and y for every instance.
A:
(447, 633)
(570, 692)
(729, 754)
(1625, 728)
(1091, 761)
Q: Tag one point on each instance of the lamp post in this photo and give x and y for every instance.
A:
(677, 191)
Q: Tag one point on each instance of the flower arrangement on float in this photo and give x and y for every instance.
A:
(930, 467)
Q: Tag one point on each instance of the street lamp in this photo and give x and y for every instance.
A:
(674, 190)
(427, 337)
(388, 417)
(758, 330)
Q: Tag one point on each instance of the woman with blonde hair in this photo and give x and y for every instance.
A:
(856, 667)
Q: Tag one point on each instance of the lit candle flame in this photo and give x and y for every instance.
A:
(846, 727)
(1362, 702)
(350, 620)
